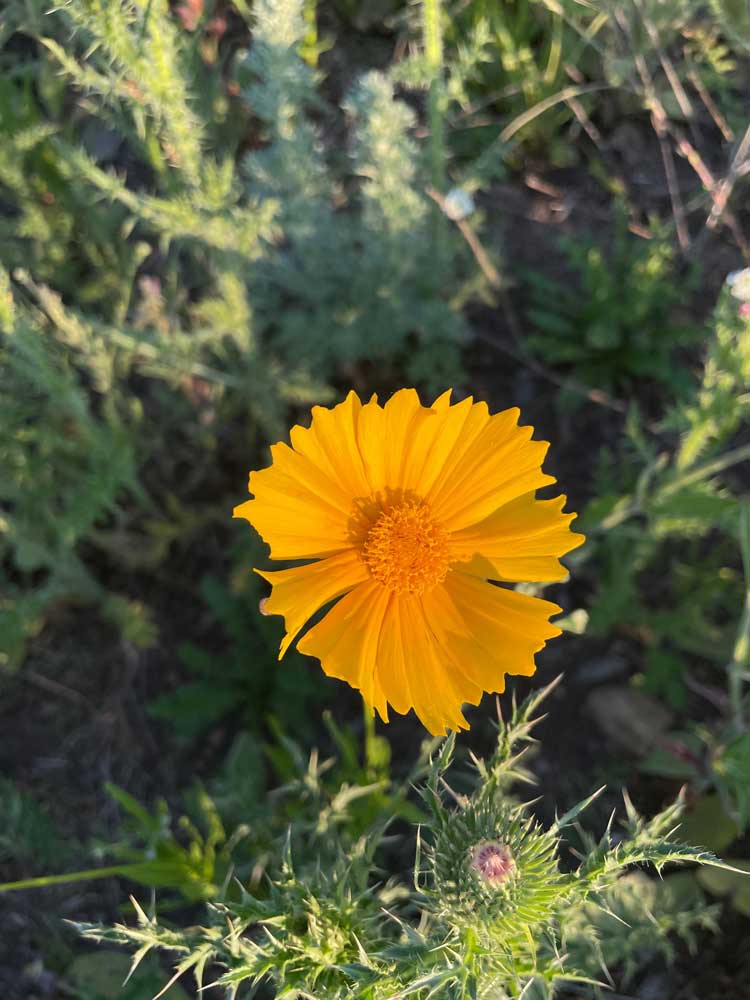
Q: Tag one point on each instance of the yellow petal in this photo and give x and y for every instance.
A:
(466, 420)
(435, 443)
(303, 501)
(393, 660)
(443, 401)
(480, 668)
(524, 569)
(406, 446)
(510, 627)
(346, 640)
(330, 443)
(435, 691)
(502, 463)
(300, 470)
(370, 435)
(387, 437)
(298, 593)
(520, 541)
(295, 526)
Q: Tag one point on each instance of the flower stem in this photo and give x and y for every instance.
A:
(432, 34)
(369, 744)
(432, 37)
(738, 666)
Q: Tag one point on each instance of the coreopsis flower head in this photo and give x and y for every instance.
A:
(403, 513)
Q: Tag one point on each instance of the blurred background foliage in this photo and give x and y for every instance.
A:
(213, 215)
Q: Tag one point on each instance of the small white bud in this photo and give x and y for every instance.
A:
(738, 283)
(458, 204)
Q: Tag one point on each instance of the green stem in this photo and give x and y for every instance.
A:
(738, 665)
(697, 475)
(369, 754)
(309, 48)
(90, 873)
(725, 461)
(432, 33)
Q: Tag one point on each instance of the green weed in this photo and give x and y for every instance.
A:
(325, 922)
(246, 683)
(613, 320)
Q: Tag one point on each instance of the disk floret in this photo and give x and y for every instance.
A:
(407, 550)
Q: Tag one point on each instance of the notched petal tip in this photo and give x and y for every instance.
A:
(401, 395)
(443, 401)
(241, 510)
(577, 538)
(382, 711)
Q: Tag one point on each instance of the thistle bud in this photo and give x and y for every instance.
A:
(492, 861)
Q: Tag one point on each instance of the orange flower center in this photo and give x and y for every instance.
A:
(406, 550)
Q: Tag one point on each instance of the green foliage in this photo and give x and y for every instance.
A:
(342, 288)
(234, 828)
(716, 758)
(511, 55)
(612, 321)
(674, 508)
(26, 831)
(182, 252)
(646, 915)
(246, 682)
(195, 238)
(328, 921)
(722, 403)
(191, 859)
(680, 513)
(730, 885)
(103, 975)
(733, 18)
(68, 460)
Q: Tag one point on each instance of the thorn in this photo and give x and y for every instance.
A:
(142, 918)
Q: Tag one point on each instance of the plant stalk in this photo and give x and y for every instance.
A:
(738, 665)
(432, 35)
(369, 743)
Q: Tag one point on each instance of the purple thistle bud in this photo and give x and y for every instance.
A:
(492, 861)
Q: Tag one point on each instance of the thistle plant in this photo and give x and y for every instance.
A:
(495, 908)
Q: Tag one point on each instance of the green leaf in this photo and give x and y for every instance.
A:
(100, 976)
(707, 823)
(733, 882)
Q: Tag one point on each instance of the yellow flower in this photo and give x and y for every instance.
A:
(404, 513)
